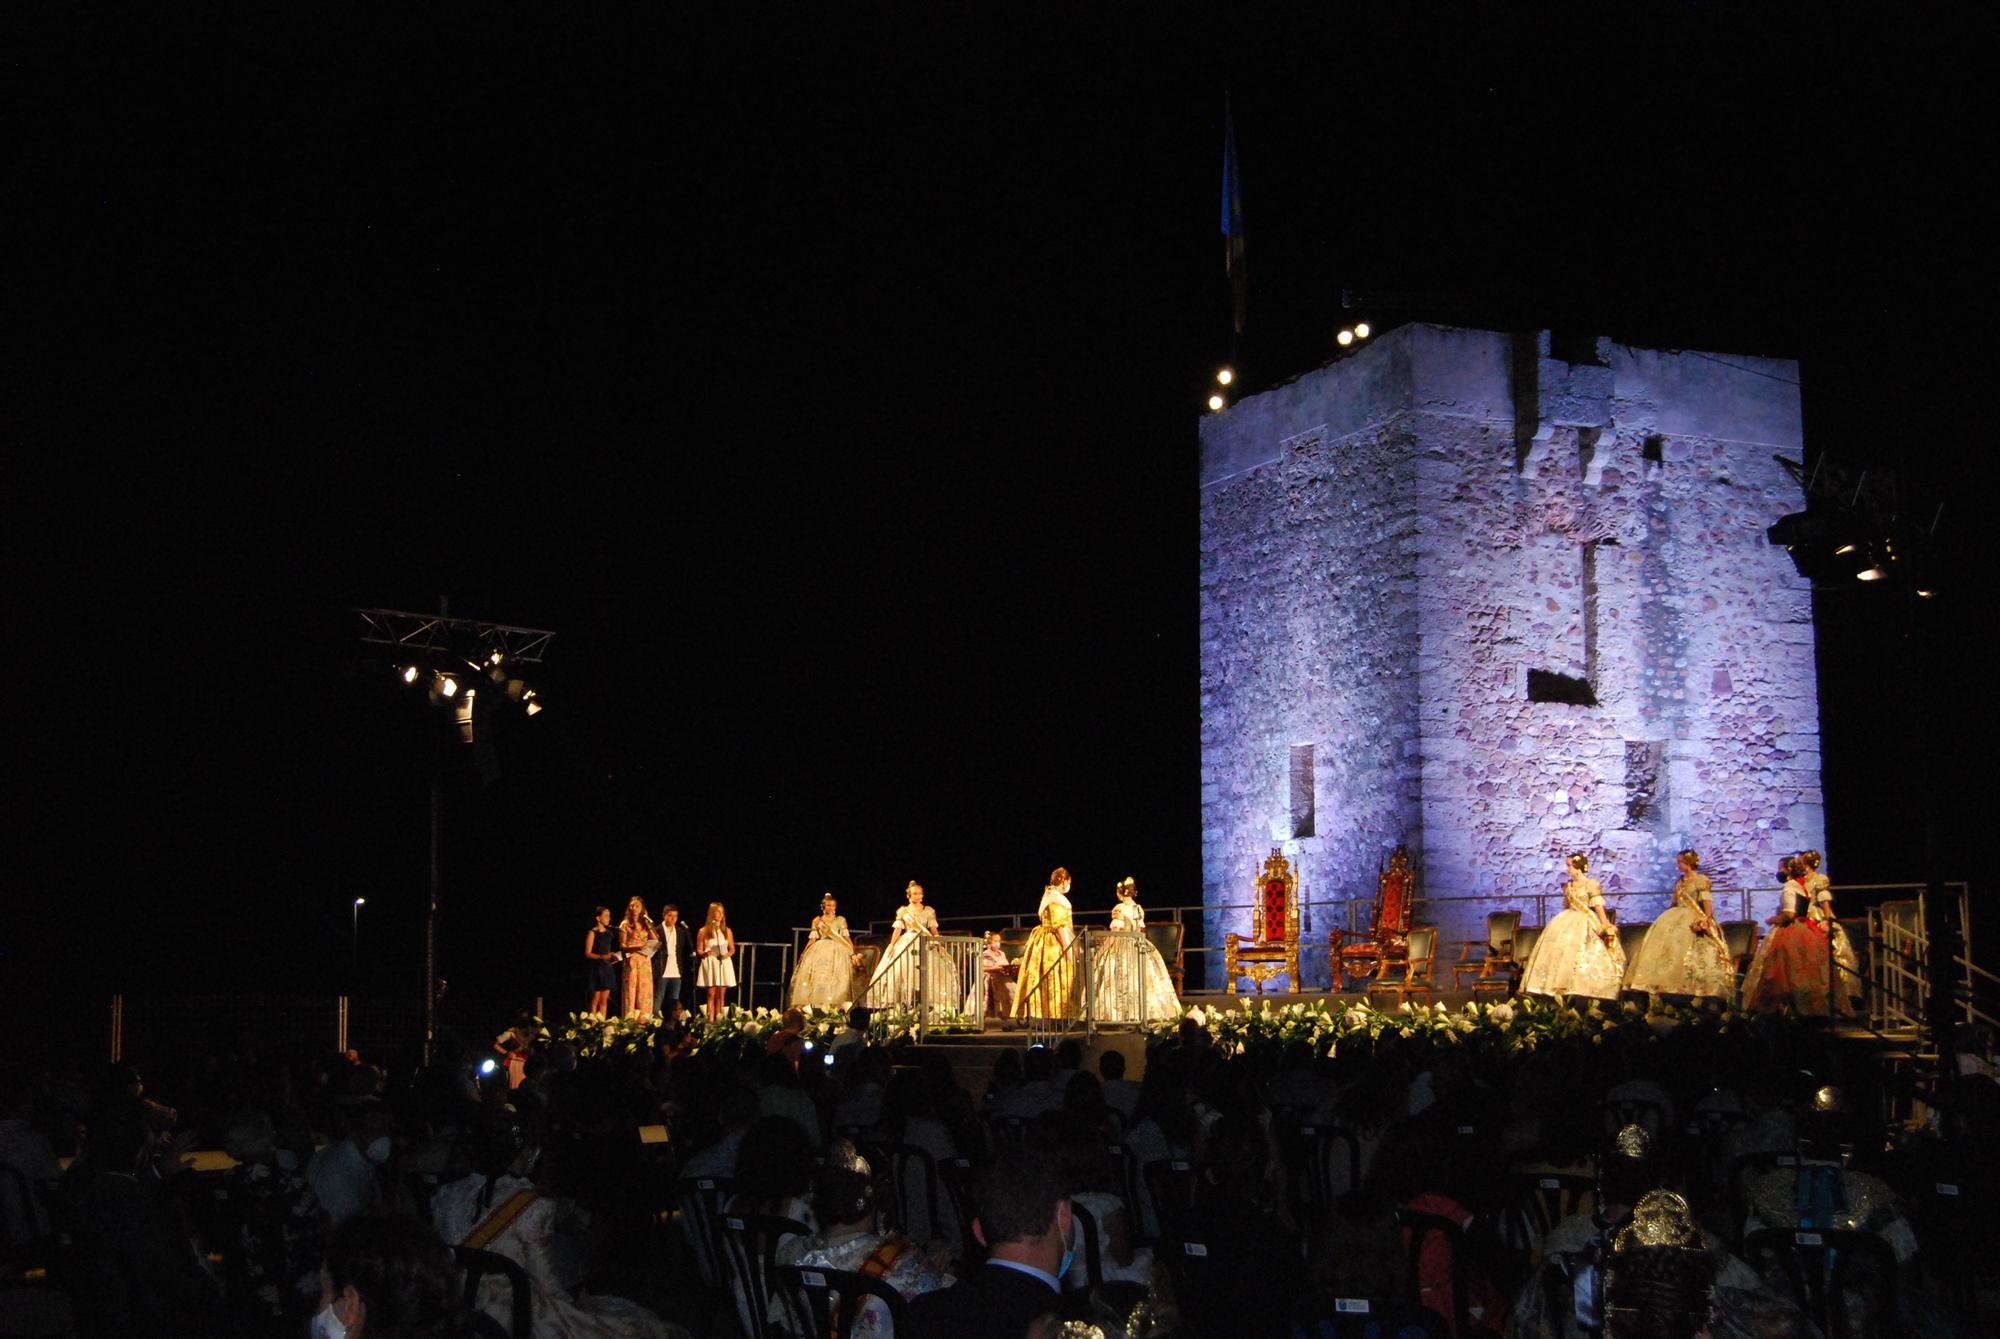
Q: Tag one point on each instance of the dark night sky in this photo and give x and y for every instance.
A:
(830, 386)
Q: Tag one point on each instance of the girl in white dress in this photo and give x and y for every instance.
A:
(1683, 952)
(824, 978)
(1578, 953)
(1129, 978)
(715, 945)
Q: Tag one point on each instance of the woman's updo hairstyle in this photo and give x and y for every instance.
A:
(1579, 862)
(1693, 857)
(1059, 878)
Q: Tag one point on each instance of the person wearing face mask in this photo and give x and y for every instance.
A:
(278, 1238)
(343, 1174)
(1024, 1221)
(388, 1277)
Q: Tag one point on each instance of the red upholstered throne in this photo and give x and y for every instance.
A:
(1387, 941)
(1273, 944)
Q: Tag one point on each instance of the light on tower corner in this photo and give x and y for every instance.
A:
(1225, 376)
(1216, 402)
(1344, 338)
(1361, 330)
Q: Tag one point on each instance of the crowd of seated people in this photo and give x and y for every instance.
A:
(1239, 1195)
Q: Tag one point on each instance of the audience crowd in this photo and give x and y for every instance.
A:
(1695, 1185)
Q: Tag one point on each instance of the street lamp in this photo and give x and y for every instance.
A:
(354, 946)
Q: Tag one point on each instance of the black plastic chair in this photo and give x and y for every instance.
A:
(478, 1265)
(914, 1177)
(750, 1250)
(1640, 1111)
(21, 1202)
(1130, 1186)
(1359, 1317)
(1317, 1167)
(1536, 1202)
(1121, 1294)
(1171, 1184)
(960, 1189)
(827, 1302)
(1422, 1227)
(1824, 1266)
(700, 1200)
(1203, 1296)
(484, 1326)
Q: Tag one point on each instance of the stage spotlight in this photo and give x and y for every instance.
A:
(495, 658)
(1925, 592)
(1216, 402)
(1344, 338)
(1872, 572)
(1225, 376)
(410, 674)
(447, 685)
(1361, 330)
(515, 688)
(1845, 548)
(534, 708)
(487, 1067)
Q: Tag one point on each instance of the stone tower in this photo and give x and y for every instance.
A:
(1499, 597)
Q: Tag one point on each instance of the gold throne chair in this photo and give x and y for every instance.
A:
(1273, 947)
(1385, 944)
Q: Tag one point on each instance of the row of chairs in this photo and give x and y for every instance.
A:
(1495, 964)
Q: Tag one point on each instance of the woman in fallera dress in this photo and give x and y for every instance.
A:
(1791, 968)
(1129, 978)
(1047, 984)
(1683, 952)
(715, 945)
(1578, 953)
(639, 938)
(824, 978)
(895, 979)
(600, 949)
(1846, 980)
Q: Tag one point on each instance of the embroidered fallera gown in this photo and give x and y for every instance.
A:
(1673, 959)
(1791, 968)
(824, 978)
(1846, 979)
(897, 976)
(1047, 984)
(1571, 958)
(1129, 978)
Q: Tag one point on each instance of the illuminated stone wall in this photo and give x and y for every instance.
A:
(1391, 544)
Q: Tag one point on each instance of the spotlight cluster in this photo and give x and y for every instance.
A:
(1351, 335)
(1217, 401)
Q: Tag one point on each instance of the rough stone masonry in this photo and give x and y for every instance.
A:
(1499, 597)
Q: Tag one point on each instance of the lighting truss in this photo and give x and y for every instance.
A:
(438, 634)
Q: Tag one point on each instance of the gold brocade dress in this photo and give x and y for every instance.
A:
(1047, 986)
(1673, 959)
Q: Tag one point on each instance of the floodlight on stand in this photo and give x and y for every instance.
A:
(1225, 376)
(446, 685)
(1344, 338)
(1216, 402)
(409, 674)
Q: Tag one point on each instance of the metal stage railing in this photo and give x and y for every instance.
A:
(1899, 966)
(752, 982)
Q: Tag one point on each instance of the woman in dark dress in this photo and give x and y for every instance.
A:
(600, 947)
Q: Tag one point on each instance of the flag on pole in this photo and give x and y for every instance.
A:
(1232, 217)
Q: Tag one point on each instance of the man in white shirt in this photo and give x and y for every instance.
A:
(675, 962)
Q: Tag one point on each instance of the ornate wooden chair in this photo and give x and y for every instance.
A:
(1273, 947)
(1167, 937)
(1411, 973)
(1494, 968)
(1388, 931)
(1525, 940)
(1741, 939)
